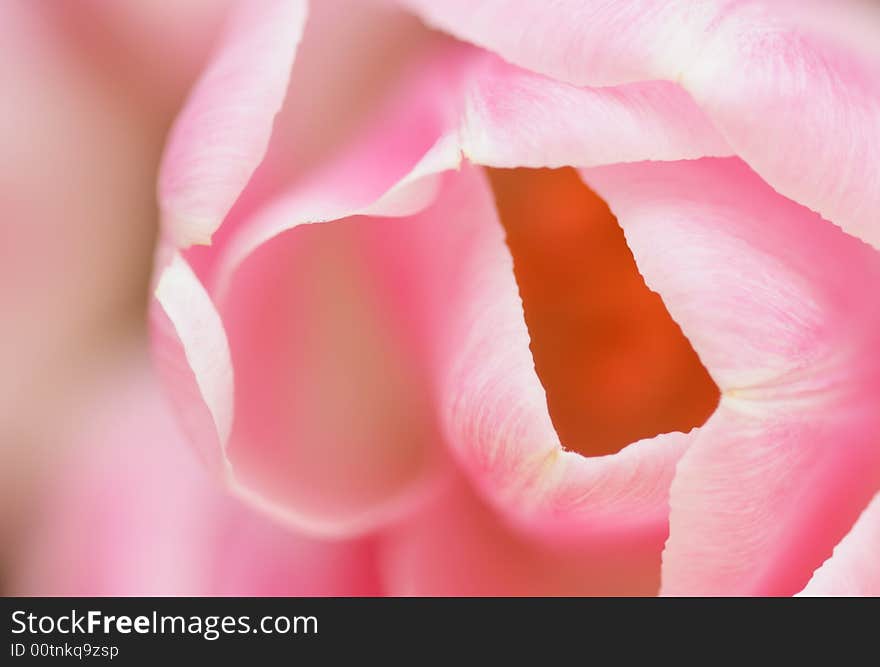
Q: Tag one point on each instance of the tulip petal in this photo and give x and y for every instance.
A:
(778, 304)
(192, 355)
(585, 43)
(759, 501)
(747, 65)
(277, 454)
(462, 102)
(515, 118)
(491, 403)
(304, 387)
(470, 333)
(396, 169)
(458, 546)
(852, 569)
(223, 132)
(827, 155)
(760, 285)
(332, 424)
(352, 56)
(387, 170)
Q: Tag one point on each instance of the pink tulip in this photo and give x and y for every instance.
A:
(344, 376)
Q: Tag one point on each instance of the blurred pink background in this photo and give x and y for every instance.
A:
(91, 88)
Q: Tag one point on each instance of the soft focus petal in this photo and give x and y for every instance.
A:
(332, 420)
(132, 514)
(747, 64)
(331, 425)
(853, 569)
(123, 41)
(458, 546)
(223, 132)
(779, 305)
(77, 170)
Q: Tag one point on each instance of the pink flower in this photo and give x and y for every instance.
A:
(360, 376)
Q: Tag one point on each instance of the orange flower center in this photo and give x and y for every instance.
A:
(615, 365)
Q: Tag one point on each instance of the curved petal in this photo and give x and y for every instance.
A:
(279, 334)
(491, 403)
(460, 101)
(458, 546)
(585, 43)
(779, 305)
(352, 55)
(760, 285)
(331, 426)
(157, 525)
(827, 155)
(853, 568)
(760, 500)
(192, 355)
(332, 422)
(747, 64)
(317, 426)
(395, 169)
(388, 169)
(223, 132)
(515, 118)
(457, 99)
